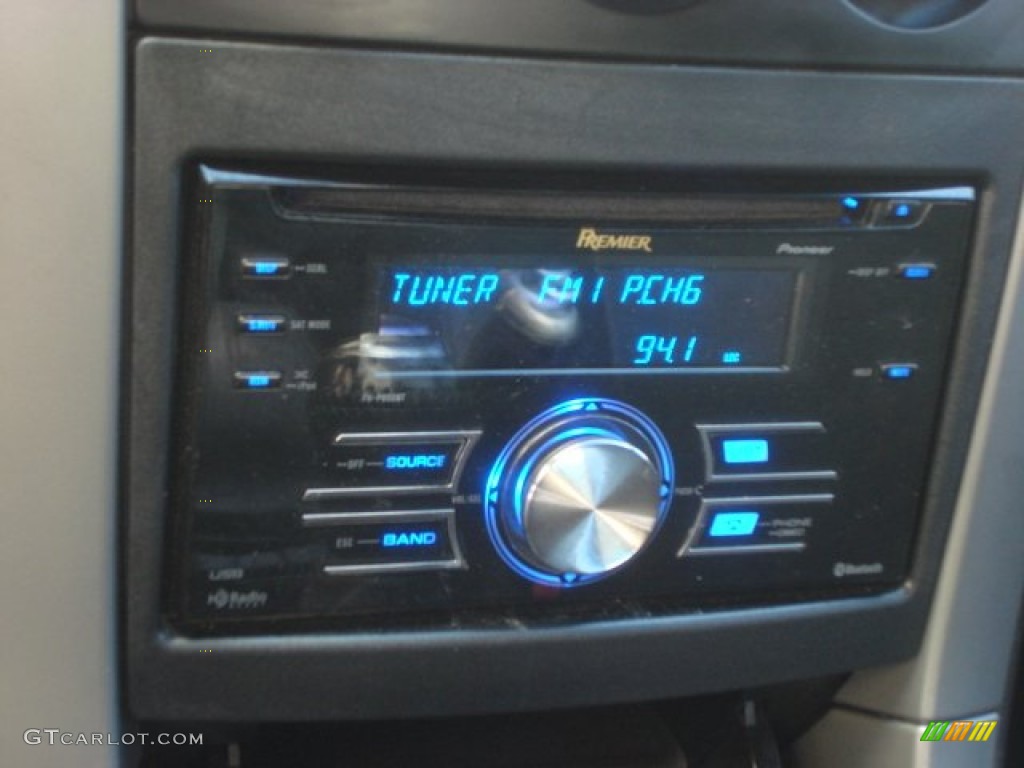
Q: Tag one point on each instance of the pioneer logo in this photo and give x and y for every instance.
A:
(788, 249)
(592, 240)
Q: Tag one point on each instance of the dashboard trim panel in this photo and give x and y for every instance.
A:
(476, 111)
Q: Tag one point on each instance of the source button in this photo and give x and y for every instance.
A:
(404, 462)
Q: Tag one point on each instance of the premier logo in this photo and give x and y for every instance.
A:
(592, 240)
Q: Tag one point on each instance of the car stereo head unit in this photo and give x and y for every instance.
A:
(408, 404)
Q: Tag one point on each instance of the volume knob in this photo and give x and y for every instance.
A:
(579, 493)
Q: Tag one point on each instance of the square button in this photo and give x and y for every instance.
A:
(733, 524)
(739, 451)
(756, 524)
(903, 213)
(779, 451)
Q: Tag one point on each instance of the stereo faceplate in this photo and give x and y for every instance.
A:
(360, 357)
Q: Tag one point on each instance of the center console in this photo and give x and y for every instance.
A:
(549, 374)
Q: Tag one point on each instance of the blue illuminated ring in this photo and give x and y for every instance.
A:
(497, 480)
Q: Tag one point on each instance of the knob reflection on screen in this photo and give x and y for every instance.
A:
(578, 492)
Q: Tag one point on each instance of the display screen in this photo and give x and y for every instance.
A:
(466, 321)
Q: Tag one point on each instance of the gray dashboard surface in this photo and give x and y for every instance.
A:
(279, 102)
(61, 144)
(795, 33)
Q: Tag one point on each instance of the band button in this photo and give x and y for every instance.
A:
(369, 542)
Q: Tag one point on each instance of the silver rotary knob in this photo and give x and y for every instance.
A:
(578, 494)
(588, 507)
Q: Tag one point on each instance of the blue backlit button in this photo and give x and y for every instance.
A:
(752, 524)
(417, 537)
(733, 524)
(737, 450)
(854, 209)
(898, 371)
(266, 267)
(393, 462)
(768, 451)
(400, 540)
(430, 459)
(257, 381)
(902, 213)
(261, 325)
(915, 271)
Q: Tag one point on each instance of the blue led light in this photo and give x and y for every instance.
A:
(400, 539)
(497, 485)
(898, 372)
(266, 268)
(257, 380)
(261, 325)
(732, 357)
(901, 211)
(851, 203)
(918, 272)
(734, 524)
(745, 451)
(406, 461)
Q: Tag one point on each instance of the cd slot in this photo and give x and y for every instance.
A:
(334, 201)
